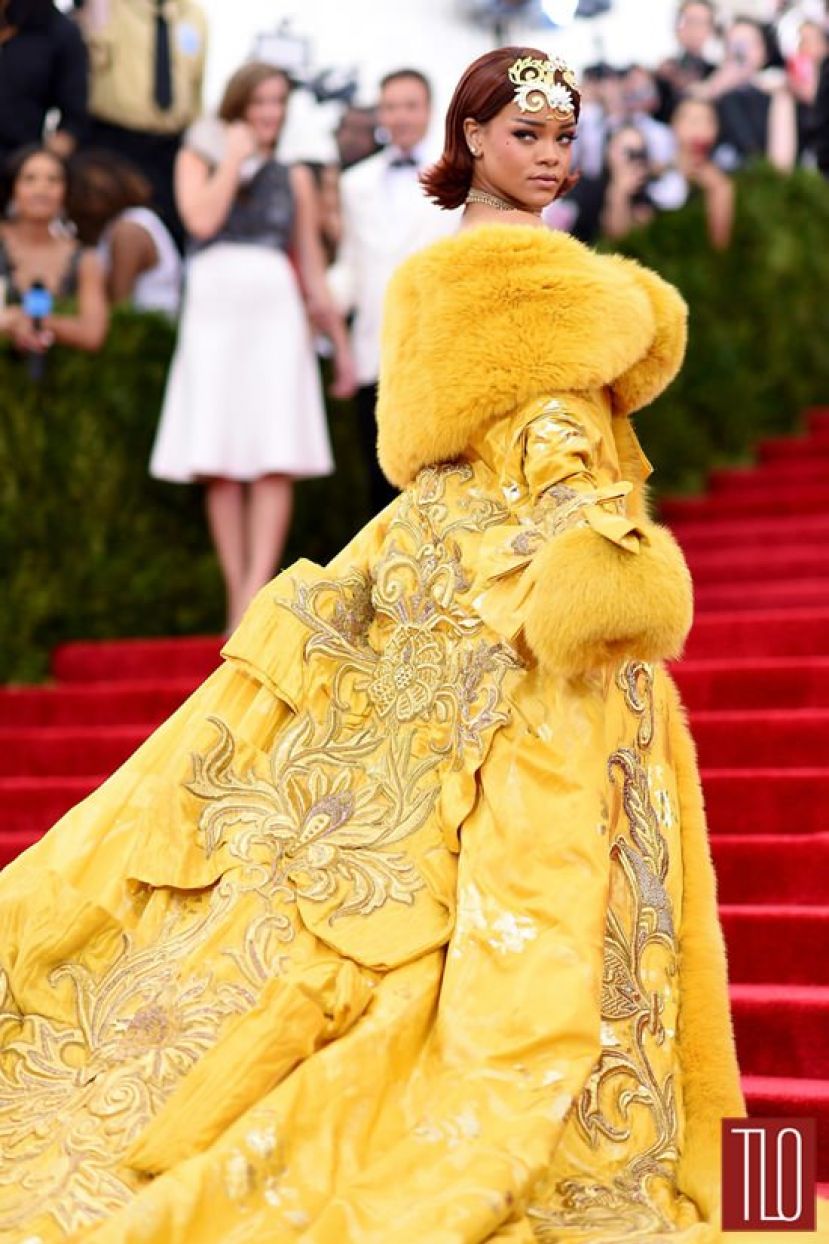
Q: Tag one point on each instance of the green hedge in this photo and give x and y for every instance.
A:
(759, 324)
(91, 547)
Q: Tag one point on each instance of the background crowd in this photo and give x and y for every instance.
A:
(119, 189)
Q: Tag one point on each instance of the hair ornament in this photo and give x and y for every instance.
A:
(544, 83)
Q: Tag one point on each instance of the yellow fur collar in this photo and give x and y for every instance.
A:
(481, 322)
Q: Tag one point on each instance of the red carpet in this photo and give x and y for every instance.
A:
(756, 681)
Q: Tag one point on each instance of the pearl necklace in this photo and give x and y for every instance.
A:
(493, 200)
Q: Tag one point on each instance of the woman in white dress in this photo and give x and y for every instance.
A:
(243, 412)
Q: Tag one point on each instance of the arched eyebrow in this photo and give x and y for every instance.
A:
(522, 119)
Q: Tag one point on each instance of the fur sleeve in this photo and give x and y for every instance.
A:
(642, 383)
(605, 587)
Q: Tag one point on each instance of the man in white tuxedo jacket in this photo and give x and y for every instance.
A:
(386, 217)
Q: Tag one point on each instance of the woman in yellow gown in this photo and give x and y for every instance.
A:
(403, 928)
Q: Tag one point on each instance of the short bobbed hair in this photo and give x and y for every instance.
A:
(482, 92)
(240, 87)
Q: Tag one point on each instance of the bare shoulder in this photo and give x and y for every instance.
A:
(131, 238)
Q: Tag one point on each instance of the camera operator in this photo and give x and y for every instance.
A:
(629, 175)
(756, 109)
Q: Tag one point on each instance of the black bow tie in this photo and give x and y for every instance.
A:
(403, 161)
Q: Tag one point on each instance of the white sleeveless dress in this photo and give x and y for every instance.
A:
(159, 287)
(244, 397)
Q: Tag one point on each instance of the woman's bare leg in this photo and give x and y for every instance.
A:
(269, 510)
(225, 503)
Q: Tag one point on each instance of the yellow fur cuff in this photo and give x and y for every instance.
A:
(595, 602)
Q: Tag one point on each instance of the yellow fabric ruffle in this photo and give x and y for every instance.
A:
(388, 933)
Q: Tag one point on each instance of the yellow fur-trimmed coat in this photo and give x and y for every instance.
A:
(404, 927)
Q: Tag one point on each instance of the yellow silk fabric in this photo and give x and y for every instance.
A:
(377, 937)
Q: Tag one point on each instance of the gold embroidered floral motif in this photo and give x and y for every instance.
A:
(323, 816)
(639, 923)
(318, 822)
(429, 663)
(635, 680)
(93, 1086)
(409, 673)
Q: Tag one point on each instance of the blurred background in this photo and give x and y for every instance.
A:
(703, 151)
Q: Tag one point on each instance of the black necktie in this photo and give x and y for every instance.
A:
(162, 76)
(403, 161)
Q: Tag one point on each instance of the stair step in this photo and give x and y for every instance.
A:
(742, 738)
(96, 704)
(767, 800)
(759, 595)
(810, 499)
(797, 448)
(64, 751)
(759, 532)
(777, 868)
(731, 481)
(12, 845)
(767, 682)
(788, 1097)
(782, 1026)
(784, 944)
(33, 804)
(763, 633)
(752, 596)
(139, 659)
(784, 561)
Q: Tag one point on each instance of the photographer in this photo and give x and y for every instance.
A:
(756, 109)
(628, 177)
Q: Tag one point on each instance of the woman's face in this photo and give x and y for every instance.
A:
(746, 46)
(265, 113)
(523, 157)
(39, 189)
(696, 126)
(812, 41)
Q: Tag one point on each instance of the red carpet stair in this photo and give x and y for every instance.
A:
(755, 678)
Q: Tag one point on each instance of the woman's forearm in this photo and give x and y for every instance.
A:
(719, 213)
(78, 331)
(782, 131)
(617, 214)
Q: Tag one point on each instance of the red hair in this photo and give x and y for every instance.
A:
(482, 92)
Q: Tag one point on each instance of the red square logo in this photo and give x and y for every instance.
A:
(769, 1177)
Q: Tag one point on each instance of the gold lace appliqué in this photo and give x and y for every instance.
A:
(640, 951)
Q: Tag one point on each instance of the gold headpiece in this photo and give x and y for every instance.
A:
(544, 83)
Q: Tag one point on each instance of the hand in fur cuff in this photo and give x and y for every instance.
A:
(595, 602)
